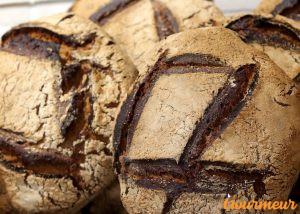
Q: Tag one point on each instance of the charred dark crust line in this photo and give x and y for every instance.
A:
(46, 162)
(209, 182)
(295, 192)
(111, 9)
(267, 32)
(72, 74)
(133, 105)
(288, 8)
(40, 42)
(217, 174)
(297, 79)
(195, 60)
(166, 24)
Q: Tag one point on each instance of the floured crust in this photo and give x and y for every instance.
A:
(138, 24)
(245, 140)
(62, 80)
(287, 8)
(278, 37)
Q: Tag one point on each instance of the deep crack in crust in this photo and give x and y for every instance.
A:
(170, 180)
(73, 150)
(107, 11)
(147, 21)
(276, 37)
(288, 8)
(267, 31)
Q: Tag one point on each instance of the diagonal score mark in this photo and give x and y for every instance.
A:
(255, 28)
(165, 21)
(48, 162)
(288, 8)
(108, 11)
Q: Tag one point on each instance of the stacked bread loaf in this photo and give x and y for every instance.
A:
(150, 106)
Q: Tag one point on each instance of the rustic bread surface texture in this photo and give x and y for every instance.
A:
(210, 116)
(62, 80)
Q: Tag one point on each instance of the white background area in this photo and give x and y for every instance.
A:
(12, 14)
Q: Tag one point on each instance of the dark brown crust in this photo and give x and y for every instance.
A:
(166, 24)
(15, 150)
(46, 163)
(266, 32)
(288, 8)
(41, 42)
(295, 193)
(195, 59)
(297, 79)
(185, 176)
(109, 10)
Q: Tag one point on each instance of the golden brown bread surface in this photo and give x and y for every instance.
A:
(62, 80)
(138, 24)
(210, 116)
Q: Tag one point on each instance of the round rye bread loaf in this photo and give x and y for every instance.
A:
(211, 116)
(62, 80)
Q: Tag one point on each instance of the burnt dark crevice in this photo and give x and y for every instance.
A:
(295, 192)
(288, 8)
(297, 78)
(208, 182)
(72, 74)
(189, 59)
(41, 42)
(105, 13)
(165, 21)
(171, 197)
(267, 32)
(47, 162)
(77, 124)
(169, 170)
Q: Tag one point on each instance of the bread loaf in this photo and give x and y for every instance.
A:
(62, 80)
(210, 117)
